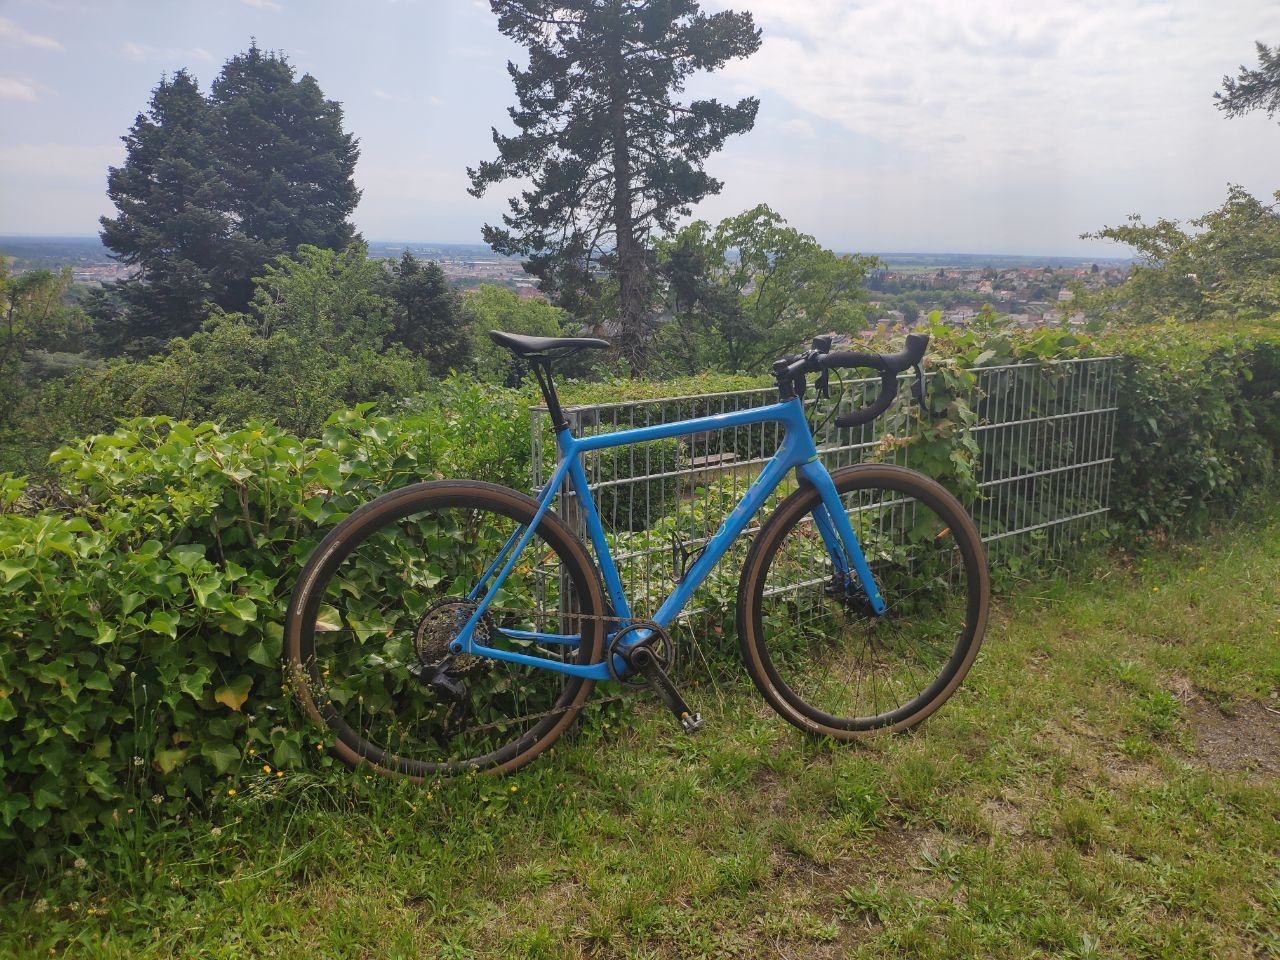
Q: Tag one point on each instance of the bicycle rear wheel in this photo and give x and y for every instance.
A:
(370, 622)
(813, 646)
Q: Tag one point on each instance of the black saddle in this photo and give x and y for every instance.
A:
(523, 346)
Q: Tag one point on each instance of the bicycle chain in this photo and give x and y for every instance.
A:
(595, 701)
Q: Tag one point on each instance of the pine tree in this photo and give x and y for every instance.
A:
(287, 163)
(172, 222)
(1253, 89)
(428, 316)
(213, 188)
(611, 153)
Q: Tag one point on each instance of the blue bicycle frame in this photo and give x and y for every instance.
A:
(797, 452)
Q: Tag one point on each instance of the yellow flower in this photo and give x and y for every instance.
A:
(514, 788)
(266, 768)
(279, 773)
(1155, 589)
(231, 792)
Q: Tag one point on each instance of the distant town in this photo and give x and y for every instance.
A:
(1031, 290)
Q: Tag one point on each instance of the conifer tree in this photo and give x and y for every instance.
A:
(213, 188)
(1253, 89)
(286, 161)
(611, 153)
(172, 221)
(428, 315)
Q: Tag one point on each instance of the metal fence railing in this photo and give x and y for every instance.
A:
(1043, 436)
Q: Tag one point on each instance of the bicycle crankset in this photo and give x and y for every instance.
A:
(659, 642)
(653, 659)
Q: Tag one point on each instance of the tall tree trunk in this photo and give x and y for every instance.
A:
(629, 252)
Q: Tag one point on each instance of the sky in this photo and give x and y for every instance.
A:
(967, 126)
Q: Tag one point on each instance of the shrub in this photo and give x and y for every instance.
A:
(142, 626)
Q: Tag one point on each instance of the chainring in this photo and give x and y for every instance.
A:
(659, 641)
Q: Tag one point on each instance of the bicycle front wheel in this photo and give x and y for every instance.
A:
(812, 644)
(371, 619)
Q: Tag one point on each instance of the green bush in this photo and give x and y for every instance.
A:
(1199, 421)
(142, 622)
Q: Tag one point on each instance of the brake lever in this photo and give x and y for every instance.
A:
(822, 386)
(919, 388)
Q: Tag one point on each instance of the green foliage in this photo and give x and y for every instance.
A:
(495, 308)
(611, 154)
(1228, 267)
(140, 611)
(1253, 89)
(212, 188)
(428, 313)
(142, 626)
(313, 342)
(752, 289)
(34, 319)
(1199, 421)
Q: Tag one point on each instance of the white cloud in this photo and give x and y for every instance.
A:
(10, 32)
(263, 5)
(142, 51)
(1006, 80)
(999, 124)
(17, 90)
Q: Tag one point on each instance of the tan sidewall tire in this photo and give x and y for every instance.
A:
(518, 506)
(790, 511)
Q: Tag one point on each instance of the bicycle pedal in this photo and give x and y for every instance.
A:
(692, 722)
(647, 665)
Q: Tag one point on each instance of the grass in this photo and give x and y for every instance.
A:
(1103, 785)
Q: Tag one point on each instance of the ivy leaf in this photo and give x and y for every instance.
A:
(223, 756)
(203, 590)
(187, 555)
(166, 623)
(234, 694)
(193, 681)
(168, 760)
(11, 569)
(244, 609)
(328, 619)
(98, 681)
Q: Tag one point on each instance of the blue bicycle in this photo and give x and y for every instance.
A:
(455, 625)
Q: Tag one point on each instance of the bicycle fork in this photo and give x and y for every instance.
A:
(837, 535)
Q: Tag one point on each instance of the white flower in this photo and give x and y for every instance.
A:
(80, 863)
(41, 905)
(215, 831)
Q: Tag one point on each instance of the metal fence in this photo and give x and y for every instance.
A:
(1042, 449)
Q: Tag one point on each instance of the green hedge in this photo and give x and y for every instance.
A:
(141, 597)
(142, 617)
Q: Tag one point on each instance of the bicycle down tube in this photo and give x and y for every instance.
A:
(797, 452)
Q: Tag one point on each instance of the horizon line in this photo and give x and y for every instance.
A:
(481, 243)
